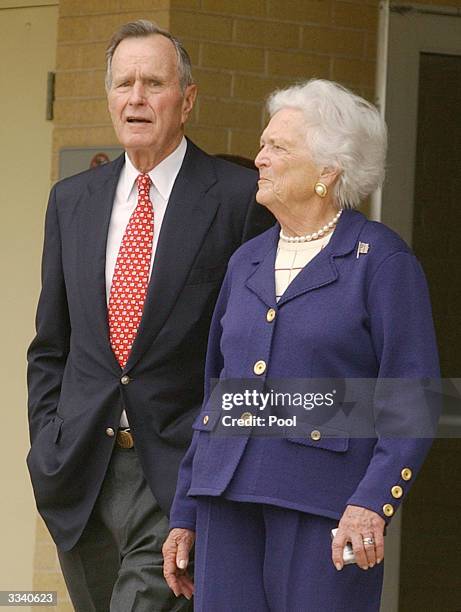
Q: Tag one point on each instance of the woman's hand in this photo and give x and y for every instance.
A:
(365, 530)
(176, 551)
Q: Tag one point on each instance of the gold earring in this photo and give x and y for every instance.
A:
(320, 189)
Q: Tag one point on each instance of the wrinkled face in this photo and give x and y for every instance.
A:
(287, 174)
(147, 107)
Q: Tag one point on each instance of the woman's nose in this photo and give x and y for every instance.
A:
(261, 158)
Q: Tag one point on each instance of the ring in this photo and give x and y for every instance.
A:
(368, 541)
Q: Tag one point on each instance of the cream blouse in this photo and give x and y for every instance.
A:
(292, 257)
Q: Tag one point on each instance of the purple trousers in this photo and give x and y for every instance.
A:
(253, 557)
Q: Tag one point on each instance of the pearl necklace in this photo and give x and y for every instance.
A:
(315, 235)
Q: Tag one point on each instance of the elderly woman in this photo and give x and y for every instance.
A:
(324, 293)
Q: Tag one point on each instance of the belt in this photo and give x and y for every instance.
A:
(124, 438)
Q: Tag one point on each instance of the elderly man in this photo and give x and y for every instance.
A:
(134, 255)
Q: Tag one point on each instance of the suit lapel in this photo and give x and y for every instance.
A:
(92, 240)
(189, 214)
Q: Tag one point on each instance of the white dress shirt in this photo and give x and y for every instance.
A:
(163, 177)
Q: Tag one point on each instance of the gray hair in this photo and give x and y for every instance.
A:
(343, 132)
(142, 28)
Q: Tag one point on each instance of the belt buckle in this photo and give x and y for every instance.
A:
(124, 438)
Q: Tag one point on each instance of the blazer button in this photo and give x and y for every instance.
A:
(388, 509)
(110, 432)
(270, 315)
(259, 367)
(206, 418)
(315, 434)
(397, 492)
(125, 380)
(247, 416)
(406, 473)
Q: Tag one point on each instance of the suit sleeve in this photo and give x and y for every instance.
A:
(258, 219)
(183, 510)
(403, 335)
(47, 354)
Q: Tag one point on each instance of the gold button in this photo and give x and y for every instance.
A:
(206, 418)
(110, 432)
(259, 367)
(397, 492)
(315, 434)
(406, 473)
(388, 509)
(125, 380)
(247, 416)
(270, 315)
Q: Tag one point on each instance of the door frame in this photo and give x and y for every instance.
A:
(411, 30)
(404, 31)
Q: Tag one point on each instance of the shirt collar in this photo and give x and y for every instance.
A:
(162, 176)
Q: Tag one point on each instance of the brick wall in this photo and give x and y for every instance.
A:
(84, 28)
(242, 50)
(443, 3)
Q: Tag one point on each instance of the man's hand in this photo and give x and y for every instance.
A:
(176, 551)
(365, 530)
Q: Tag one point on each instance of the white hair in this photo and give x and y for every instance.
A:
(343, 132)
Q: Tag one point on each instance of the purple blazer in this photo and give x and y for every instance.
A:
(343, 316)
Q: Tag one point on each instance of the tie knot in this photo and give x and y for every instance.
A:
(144, 184)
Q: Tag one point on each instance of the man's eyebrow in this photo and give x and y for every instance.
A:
(153, 77)
(126, 76)
(122, 76)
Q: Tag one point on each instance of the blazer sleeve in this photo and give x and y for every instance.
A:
(47, 354)
(183, 510)
(258, 219)
(403, 336)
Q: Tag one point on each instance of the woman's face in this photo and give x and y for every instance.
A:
(287, 174)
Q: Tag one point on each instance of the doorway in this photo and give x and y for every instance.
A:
(420, 200)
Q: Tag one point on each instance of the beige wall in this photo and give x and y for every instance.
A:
(27, 52)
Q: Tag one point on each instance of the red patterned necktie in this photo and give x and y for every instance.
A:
(131, 274)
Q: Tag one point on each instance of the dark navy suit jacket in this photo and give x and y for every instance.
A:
(343, 316)
(75, 390)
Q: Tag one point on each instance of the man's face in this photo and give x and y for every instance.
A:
(147, 107)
